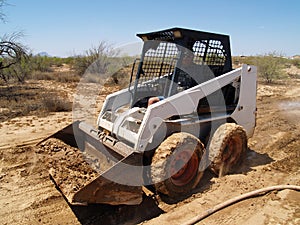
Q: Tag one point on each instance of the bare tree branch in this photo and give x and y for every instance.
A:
(2, 14)
(11, 51)
(96, 59)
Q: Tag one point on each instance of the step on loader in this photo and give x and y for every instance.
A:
(186, 110)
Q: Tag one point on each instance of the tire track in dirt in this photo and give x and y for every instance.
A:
(27, 195)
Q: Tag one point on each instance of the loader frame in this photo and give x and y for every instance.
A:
(183, 103)
(196, 102)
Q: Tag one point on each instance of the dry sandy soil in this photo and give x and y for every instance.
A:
(28, 195)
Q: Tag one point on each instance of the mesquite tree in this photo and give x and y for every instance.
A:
(12, 52)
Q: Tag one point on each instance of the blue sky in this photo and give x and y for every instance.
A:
(69, 27)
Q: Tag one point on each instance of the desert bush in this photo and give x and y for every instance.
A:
(52, 102)
(12, 53)
(16, 72)
(38, 68)
(97, 60)
(12, 57)
(36, 75)
(121, 77)
(67, 77)
(80, 64)
(296, 62)
(18, 100)
(62, 77)
(43, 68)
(56, 61)
(30, 99)
(127, 60)
(270, 66)
(40, 63)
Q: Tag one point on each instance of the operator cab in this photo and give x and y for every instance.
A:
(177, 59)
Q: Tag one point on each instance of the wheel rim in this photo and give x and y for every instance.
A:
(184, 167)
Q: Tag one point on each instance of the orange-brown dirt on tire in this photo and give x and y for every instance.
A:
(181, 148)
(227, 148)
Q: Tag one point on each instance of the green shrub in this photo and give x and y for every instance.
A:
(270, 66)
(16, 72)
(296, 62)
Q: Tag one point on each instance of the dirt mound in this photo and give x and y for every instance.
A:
(27, 195)
(67, 164)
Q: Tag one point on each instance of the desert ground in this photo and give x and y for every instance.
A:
(29, 196)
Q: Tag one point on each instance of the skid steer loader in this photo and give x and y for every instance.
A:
(175, 120)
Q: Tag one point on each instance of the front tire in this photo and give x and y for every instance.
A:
(227, 148)
(175, 164)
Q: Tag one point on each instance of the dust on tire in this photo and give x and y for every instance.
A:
(227, 148)
(164, 156)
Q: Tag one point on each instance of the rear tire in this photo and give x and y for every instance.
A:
(227, 148)
(175, 164)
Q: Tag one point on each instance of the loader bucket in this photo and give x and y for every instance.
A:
(86, 171)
